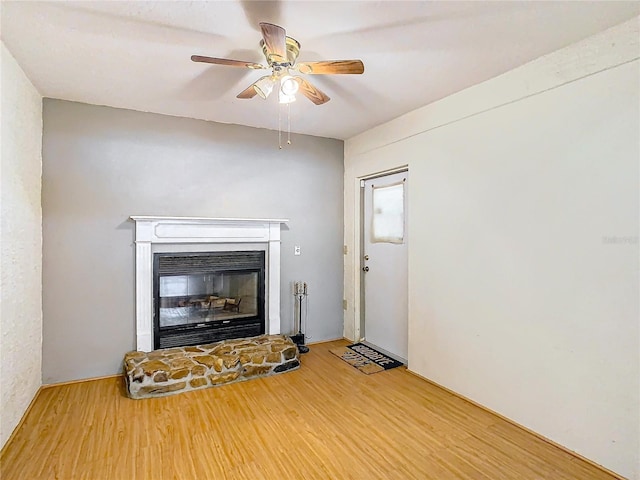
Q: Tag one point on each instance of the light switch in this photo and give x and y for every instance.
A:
(296, 250)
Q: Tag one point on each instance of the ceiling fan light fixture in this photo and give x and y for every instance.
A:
(284, 98)
(264, 86)
(289, 85)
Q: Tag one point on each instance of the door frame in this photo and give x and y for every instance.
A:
(358, 245)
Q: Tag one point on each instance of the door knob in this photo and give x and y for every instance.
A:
(365, 269)
(366, 257)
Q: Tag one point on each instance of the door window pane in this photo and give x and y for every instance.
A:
(387, 222)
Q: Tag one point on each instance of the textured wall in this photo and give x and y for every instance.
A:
(21, 245)
(523, 243)
(101, 165)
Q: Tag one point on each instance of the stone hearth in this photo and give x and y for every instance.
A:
(180, 369)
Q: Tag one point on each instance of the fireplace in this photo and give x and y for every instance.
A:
(212, 295)
(206, 297)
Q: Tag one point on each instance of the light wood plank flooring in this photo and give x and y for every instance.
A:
(324, 421)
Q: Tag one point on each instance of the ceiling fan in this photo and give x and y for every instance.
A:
(281, 53)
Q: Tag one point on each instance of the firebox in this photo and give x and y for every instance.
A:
(206, 297)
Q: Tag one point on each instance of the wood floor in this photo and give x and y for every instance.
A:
(324, 421)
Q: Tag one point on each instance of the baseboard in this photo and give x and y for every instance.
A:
(82, 380)
(324, 341)
(22, 419)
(521, 427)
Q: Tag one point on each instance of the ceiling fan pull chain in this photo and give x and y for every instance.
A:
(279, 128)
(288, 124)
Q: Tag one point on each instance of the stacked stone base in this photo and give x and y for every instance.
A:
(181, 369)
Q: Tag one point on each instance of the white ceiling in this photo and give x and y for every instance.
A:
(136, 54)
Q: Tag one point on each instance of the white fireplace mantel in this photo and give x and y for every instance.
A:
(193, 230)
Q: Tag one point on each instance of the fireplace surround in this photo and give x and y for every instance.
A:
(156, 234)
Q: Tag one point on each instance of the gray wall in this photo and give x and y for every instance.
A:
(101, 165)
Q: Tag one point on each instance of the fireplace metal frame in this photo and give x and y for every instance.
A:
(212, 331)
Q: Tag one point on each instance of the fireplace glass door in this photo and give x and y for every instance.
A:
(203, 298)
(215, 297)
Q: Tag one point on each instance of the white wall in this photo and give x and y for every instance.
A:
(21, 245)
(523, 227)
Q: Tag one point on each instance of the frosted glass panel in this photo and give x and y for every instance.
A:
(387, 223)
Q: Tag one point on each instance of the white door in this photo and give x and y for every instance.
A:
(384, 263)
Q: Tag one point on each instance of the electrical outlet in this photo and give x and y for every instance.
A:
(296, 250)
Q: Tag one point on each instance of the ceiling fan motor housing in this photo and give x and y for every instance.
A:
(293, 50)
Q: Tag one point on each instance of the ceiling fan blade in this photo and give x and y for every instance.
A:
(226, 61)
(249, 92)
(312, 93)
(275, 40)
(329, 67)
